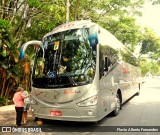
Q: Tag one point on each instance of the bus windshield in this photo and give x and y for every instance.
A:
(69, 60)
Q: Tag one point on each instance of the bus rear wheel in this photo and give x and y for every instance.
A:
(118, 105)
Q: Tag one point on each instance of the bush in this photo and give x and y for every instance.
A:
(3, 101)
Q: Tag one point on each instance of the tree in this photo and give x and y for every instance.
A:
(150, 44)
(148, 66)
(145, 67)
(155, 68)
(21, 21)
(116, 16)
(24, 20)
(127, 31)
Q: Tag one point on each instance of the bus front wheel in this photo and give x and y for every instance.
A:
(118, 105)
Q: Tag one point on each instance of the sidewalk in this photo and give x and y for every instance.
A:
(8, 116)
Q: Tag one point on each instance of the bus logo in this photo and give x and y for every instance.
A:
(51, 74)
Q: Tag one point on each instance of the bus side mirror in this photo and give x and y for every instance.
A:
(25, 45)
(93, 35)
(107, 63)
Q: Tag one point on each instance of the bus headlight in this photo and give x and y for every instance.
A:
(88, 102)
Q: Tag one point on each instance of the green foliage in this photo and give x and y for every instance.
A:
(144, 67)
(33, 3)
(3, 24)
(149, 66)
(150, 44)
(127, 31)
(3, 101)
(155, 68)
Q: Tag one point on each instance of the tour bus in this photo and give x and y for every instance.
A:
(81, 72)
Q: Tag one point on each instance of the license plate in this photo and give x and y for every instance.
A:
(56, 113)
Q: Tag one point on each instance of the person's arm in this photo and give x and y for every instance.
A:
(26, 96)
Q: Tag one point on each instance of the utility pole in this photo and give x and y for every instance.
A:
(67, 10)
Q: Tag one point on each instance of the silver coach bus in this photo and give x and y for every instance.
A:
(81, 72)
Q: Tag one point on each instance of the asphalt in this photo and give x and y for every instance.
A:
(8, 116)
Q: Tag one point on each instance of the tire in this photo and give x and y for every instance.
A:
(35, 119)
(118, 105)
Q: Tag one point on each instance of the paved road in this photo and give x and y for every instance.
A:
(143, 110)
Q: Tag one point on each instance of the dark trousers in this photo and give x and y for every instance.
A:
(19, 112)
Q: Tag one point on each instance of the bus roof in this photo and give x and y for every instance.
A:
(70, 25)
(87, 23)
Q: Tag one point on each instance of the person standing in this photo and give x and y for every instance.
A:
(26, 107)
(18, 100)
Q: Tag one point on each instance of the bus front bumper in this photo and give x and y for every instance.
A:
(88, 114)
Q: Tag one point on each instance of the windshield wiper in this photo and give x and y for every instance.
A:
(70, 79)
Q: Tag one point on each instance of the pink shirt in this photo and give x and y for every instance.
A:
(18, 99)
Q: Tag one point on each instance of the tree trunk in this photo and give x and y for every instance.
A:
(76, 10)
(67, 10)
(4, 77)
